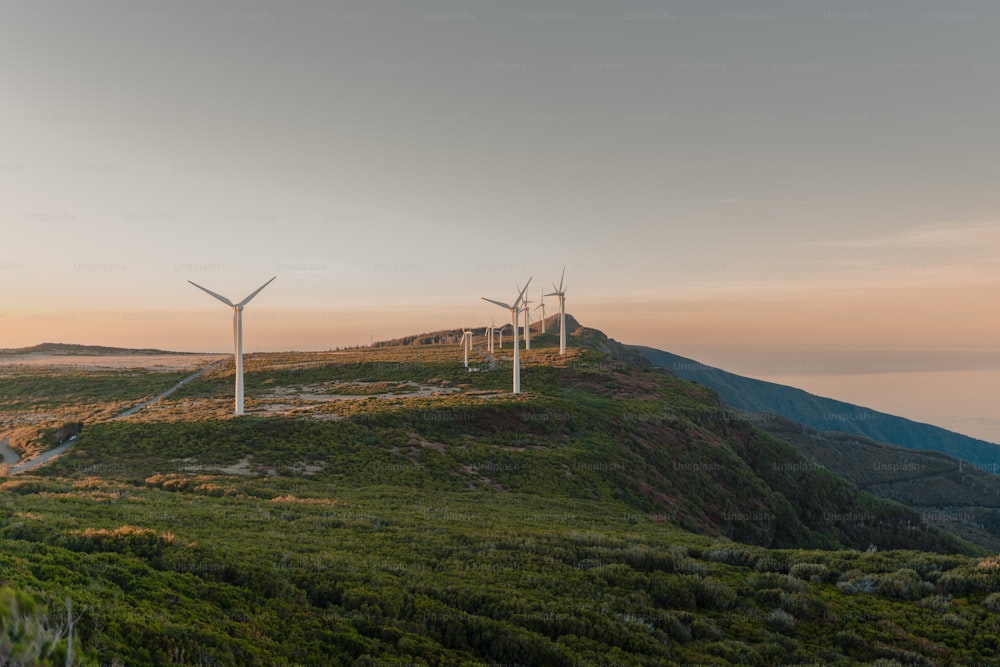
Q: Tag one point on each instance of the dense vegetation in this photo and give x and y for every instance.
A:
(207, 570)
(32, 388)
(611, 514)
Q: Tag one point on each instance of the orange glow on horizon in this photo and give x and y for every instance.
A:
(894, 317)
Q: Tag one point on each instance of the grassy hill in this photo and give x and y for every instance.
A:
(825, 414)
(388, 506)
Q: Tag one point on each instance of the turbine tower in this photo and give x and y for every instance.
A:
(466, 344)
(541, 304)
(527, 323)
(514, 312)
(561, 293)
(488, 332)
(237, 335)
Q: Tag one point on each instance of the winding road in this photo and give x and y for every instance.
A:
(13, 459)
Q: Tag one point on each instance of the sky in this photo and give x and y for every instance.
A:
(785, 189)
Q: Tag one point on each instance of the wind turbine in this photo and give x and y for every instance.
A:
(527, 324)
(541, 304)
(488, 332)
(466, 344)
(561, 293)
(514, 312)
(237, 334)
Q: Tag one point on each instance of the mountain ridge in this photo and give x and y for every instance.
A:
(826, 414)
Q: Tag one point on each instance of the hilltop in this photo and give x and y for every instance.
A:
(444, 336)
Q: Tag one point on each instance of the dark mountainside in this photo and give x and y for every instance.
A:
(946, 492)
(825, 414)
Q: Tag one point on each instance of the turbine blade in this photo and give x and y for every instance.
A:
(255, 292)
(499, 303)
(217, 296)
(561, 277)
(520, 296)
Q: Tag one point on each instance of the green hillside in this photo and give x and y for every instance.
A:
(388, 506)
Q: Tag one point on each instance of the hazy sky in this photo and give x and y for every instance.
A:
(734, 180)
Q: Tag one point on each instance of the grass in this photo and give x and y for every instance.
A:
(589, 520)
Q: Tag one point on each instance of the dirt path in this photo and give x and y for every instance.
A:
(42, 458)
(135, 408)
(13, 459)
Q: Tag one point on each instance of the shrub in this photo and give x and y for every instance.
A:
(803, 605)
(676, 628)
(954, 583)
(856, 582)
(814, 572)
(740, 557)
(954, 620)
(674, 590)
(992, 602)
(936, 602)
(780, 620)
(715, 594)
(142, 542)
(903, 585)
(704, 628)
(848, 640)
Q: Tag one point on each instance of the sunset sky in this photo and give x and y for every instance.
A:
(779, 188)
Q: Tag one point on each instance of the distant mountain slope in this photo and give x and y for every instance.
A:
(826, 414)
(74, 349)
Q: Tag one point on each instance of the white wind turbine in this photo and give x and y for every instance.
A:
(527, 324)
(488, 332)
(466, 344)
(514, 312)
(237, 335)
(561, 293)
(541, 304)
